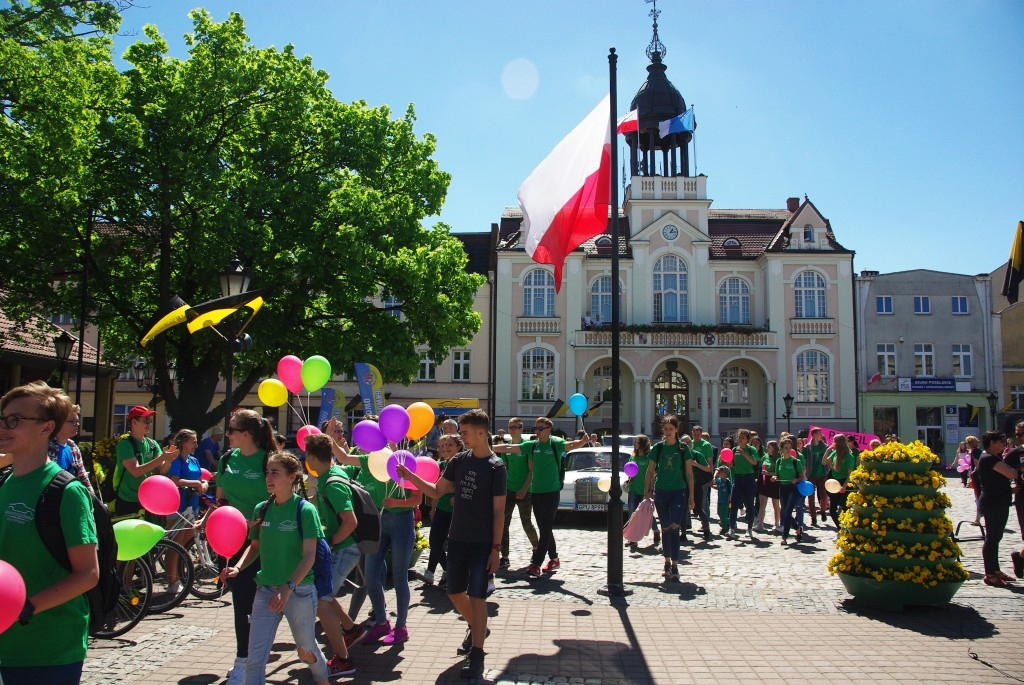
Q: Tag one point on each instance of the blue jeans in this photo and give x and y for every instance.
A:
(67, 674)
(342, 563)
(744, 492)
(397, 534)
(671, 505)
(300, 610)
(791, 500)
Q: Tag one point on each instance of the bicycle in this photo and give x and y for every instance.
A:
(132, 601)
(206, 582)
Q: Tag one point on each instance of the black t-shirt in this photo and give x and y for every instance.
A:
(477, 481)
(995, 487)
(1014, 459)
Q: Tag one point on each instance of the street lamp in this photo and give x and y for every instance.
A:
(993, 400)
(788, 414)
(62, 344)
(144, 374)
(234, 280)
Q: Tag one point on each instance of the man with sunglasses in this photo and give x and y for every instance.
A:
(138, 456)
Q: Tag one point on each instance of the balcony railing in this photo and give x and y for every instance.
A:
(812, 327)
(677, 339)
(538, 325)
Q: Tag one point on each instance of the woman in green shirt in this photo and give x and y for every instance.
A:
(635, 485)
(789, 471)
(768, 488)
(667, 476)
(744, 484)
(840, 459)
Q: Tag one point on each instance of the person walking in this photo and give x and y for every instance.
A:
(840, 460)
(441, 515)
(789, 471)
(519, 492)
(635, 486)
(744, 483)
(768, 488)
(995, 478)
(666, 480)
(701, 445)
(813, 453)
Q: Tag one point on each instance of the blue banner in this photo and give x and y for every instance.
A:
(371, 387)
(330, 406)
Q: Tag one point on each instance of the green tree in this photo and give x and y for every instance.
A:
(243, 151)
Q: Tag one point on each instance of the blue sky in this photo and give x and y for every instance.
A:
(902, 121)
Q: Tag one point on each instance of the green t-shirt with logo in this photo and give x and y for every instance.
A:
(671, 472)
(333, 499)
(636, 483)
(280, 544)
(812, 459)
(787, 468)
(703, 448)
(56, 636)
(242, 480)
(149, 449)
(546, 458)
(740, 465)
(517, 468)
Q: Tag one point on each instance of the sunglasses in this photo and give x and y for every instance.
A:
(541, 428)
(232, 429)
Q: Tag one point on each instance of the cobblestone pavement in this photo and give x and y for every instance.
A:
(743, 612)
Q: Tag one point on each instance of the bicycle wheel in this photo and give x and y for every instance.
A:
(172, 575)
(206, 578)
(132, 601)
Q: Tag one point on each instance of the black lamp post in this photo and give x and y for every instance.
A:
(143, 374)
(993, 400)
(788, 414)
(234, 280)
(62, 344)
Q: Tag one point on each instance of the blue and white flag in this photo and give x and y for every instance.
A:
(684, 123)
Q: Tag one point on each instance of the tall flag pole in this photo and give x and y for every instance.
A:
(1015, 267)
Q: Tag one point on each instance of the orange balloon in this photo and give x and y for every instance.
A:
(421, 420)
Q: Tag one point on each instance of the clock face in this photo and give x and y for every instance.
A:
(670, 232)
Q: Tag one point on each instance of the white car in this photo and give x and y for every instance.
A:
(583, 468)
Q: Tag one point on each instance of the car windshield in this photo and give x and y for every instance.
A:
(589, 460)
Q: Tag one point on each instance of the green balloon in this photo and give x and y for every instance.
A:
(316, 371)
(135, 537)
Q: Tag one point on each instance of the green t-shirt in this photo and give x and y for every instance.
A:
(768, 462)
(841, 466)
(280, 544)
(546, 458)
(242, 480)
(740, 466)
(787, 468)
(371, 484)
(445, 501)
(517, 469)
(636, 483)
(812, 459)
(703, 448)
(56, 636)
(671, 474)
(333, 499)
(149, 449)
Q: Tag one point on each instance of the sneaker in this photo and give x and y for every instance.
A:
(675, 573)
(668, 569)
(354, 635)
(474, 665)
(799, 534)
(338, 667)
(467, 642)
(376, 632)
(777, 529)
(750, 533)
(504, 563)
(657, 538)
(396, 636)
(490, 586)
(1018, 564)
(534, 571)
(707, 535)
(176, 588)
(428, 577)
(236, 676)
(553, 565)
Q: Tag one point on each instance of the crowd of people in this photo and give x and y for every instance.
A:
(483, 480)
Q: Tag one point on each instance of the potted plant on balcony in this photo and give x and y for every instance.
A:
(895, 541)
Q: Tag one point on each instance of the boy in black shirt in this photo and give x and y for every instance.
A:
(477, 478)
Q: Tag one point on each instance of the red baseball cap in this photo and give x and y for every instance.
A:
(140, 412)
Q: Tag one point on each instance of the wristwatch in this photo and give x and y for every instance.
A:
(291, 586)
(26, 613)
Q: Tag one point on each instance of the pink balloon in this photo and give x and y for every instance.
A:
(427, 469)
(12, 595)
(226, 530)
(394, 422)
(289, 370)
(303, 433)
(159, 495)
(205, 474)
(726, 455)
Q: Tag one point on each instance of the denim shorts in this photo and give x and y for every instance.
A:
(342, 563)
(467, 568)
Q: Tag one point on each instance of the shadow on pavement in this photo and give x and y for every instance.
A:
(951, 621)
(685, 590)
(582, 659)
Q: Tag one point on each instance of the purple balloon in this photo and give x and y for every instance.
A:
(394, 422)
(406, 459)
(631, 469)
(367, 436)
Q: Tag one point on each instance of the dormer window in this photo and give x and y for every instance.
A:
(731, 244)
(808, 233)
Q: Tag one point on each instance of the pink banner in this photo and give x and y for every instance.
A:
(862, 441)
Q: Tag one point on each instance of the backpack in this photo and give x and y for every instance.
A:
(109, 486)
(367, 532)
(323, 579)
(103, 596)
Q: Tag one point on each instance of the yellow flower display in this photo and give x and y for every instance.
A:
(916, 453)
(421, 541)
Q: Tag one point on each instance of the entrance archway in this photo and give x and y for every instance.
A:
(672, 396)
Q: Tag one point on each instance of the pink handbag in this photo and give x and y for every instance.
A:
(639, 524)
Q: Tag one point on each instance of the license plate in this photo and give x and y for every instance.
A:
(591, 507)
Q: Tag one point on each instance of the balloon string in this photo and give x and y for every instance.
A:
(297, 414)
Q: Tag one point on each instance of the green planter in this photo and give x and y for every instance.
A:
(875, 560)
(915, 515)
(897, 466)
(893, 490)
(894, 595)
(897, 535)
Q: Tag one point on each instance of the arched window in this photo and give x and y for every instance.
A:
(809, 289)
(734, 301)
(538, 379)
(539, 293)
(808, 233)
(601, 299)
(670, 290)
(812, 377)
(731, 244)
(601, 384)
(734, 393)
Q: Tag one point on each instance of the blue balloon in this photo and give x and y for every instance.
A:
(578, 404)
(805, 488)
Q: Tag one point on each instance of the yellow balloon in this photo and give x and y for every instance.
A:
(272, 392)
(833, 486)
(378, 464)
(311, 471)
(604, 484)
(421, 420)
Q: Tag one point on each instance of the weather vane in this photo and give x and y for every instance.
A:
(656, 45)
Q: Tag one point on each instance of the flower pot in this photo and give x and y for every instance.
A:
(893, 595)
(877, 560)
(915, 515)
(897, 466)
(898, 536)
(894, 490)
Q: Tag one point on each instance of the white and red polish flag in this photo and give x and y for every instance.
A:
(565, 200)
(628, 122)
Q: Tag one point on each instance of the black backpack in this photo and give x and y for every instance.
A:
(103, 596)
(367, 532)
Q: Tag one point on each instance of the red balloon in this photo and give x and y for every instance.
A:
(303, 433)
(226, 530)
(726, 455)
(427, 469)
(159, 495)
(206, 475)
(12, 595)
